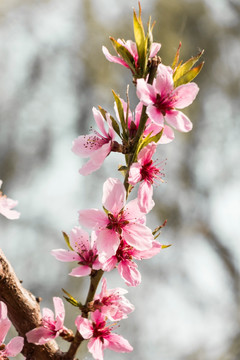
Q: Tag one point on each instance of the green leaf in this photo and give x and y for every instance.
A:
(103, 112)
(176, 58)
(189, 76)
(115, 126)
(120, 113)
(124, 54)
(183, 69)
(150, 139)
(140, 39)
(66, 238)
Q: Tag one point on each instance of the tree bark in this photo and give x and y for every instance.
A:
(24, 312)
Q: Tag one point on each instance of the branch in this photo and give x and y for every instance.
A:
(24, 312)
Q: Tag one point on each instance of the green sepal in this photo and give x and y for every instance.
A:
(66, 238)
(124, 54)
(120, 113)
(72, 300)
(150, 139)
(189, 76)
(184, 69)
(165, 246)
(115, 126)
(140, 40)
(123, 170)
(105, 210)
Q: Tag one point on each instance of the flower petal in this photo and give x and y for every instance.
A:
(178, 120)
(107, 244)
(40, 335)
(82, 270)
(79, 240)
(155, 115)
(59, 312)
(95, 347)
(65, 255)
(129, 272)
(184, 95)
(118, 343)
(145, 194)
(93, 218)
(114, 195)
(14, 346)
(84, 326)
(145, 92)
(114, 59)
(96, 160)
(137, 235)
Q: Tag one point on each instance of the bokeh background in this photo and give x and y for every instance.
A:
(52, 73)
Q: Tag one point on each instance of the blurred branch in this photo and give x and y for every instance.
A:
(24, 312)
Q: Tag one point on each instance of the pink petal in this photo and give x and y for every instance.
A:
(82, 270)
(48, 314)
(118, 343)
(85, 145)
(107, 244)
(65, 255)
(184, 95)
(99, 121)
(137, 235)
(97, 317)
(155, 115)
(5, 325)
(145, 194)
(135, 174)
(167, 136)
(114, 195)
(114, 59)
(163, 83)
(109, 264)
(129, 272)
(146, 154)
(79, 239)
(147, 254)
(178, 120)
(84, 326)
(93, 218)
(95, 347)
(145, 92)
(14, 346)
(59, 312)
(40, 336)
(96, 160)
(154, 49)
(3, 311)
(132, 211)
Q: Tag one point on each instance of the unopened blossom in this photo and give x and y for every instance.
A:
(96, 146)
(132, 49)
(6, 205)
(15, 345)
(100, 335)
(147, 172)
(112, 303)
(51, 326)
(124, 261)
(84, 252)
(163, 100)
(119, 219)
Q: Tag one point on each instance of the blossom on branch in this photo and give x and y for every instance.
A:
(123, 260)
(50, 328)
(145, 171)
(15, 345)
(96, 146)
(112, 303)
(84, 251)
(118, 220)
(6, 205)
(162, 99)
(100, 335)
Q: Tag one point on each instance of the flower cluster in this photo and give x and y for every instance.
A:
(119, 234)
(15, 345)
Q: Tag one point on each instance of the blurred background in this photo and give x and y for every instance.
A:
(52, 73)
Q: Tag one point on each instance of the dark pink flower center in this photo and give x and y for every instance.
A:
(88, 257)
(49, 324)
(124, 251)
(99, 330)
(149, 172)
(163, 104)
(117, 222)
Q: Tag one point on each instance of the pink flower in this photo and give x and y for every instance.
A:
(96, 146)
(118, 220)
(112, 303)
(15, 345)
(123, 260)
(50, 328)
(144, 170)
(6, 205)
(84, 251)
(162, 98)
(100, 335)
(132, 49)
